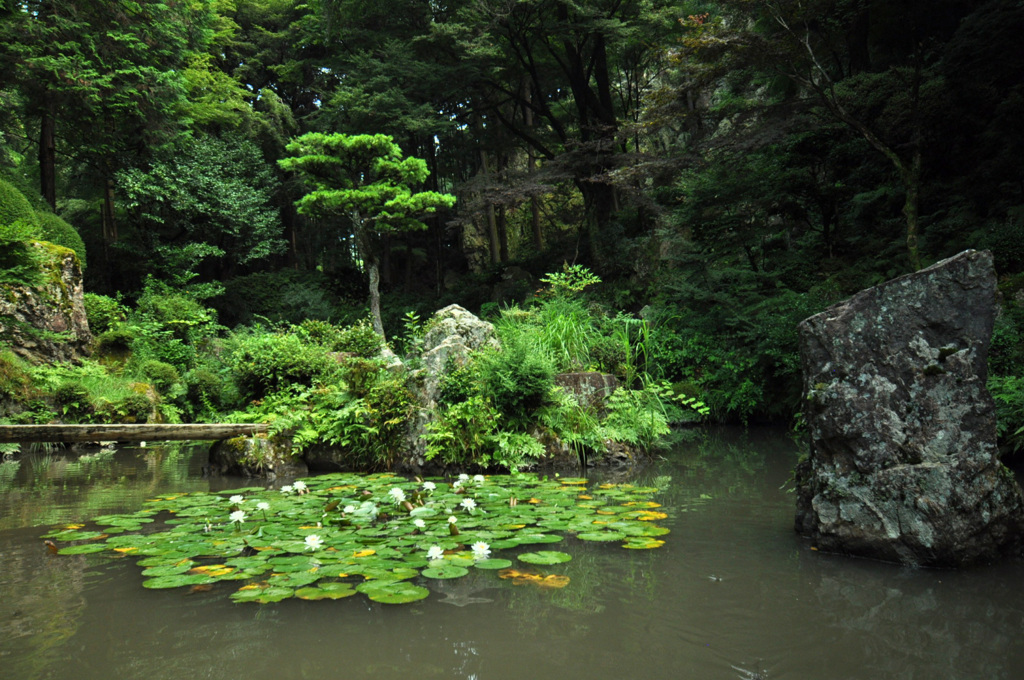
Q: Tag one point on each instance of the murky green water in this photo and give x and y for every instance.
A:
(732, 594)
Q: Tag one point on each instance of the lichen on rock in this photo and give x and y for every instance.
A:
(903, 463)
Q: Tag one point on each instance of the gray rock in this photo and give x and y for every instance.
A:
(48, 323)
(903, 463)
(453, 333)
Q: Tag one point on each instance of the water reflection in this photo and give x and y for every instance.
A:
(734, 593)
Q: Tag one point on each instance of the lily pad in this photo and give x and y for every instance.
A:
(393, 592)
(326, 591)
(178, 580)
(545, 557)
(82, 549)
(493, 563)
(261, 594)
(444, 571)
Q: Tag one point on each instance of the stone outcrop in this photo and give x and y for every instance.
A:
(903, 462)
(590, 388)
(452, 334)
(47, 323)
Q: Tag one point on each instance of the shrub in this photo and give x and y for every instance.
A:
(204, 388)
(103, 312)
(55, 230)
(130, 408)
(20, 262)
(15, 382)
(161, 374)
(265, 362)
(14, 207)
(359, 339)
(518, 380)
(115, 341)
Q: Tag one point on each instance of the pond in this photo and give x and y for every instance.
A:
(733, 593)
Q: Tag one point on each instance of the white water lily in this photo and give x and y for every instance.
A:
(237, 499)
(452, 520)
(237, 516)
(479, 479)
(457, 485)
(468, 503)
(263, 505)
(349, 509)
(299, 485)
(480, 550)
(420, 524)
(435, 553)
(397, 495)
(313, 542)
(429, 486)
(463, 477)
(287, 488)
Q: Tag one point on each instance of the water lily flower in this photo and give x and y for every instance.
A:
(420, 524)
(349, 509)
(237, 499)
(463, 477)
(452, 520)
(397, 495)
(435, 553)
(237, 516)
(457, 485)
(429, 486)
(263, 505)
(480, 550)
(287, 488)
(468, 504)
(313, 542)
(299, 485)
(479, 479)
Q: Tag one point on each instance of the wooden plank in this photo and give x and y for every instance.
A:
(126, 433)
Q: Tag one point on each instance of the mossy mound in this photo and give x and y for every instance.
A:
(55, 230)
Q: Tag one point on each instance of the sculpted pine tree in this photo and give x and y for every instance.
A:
(365, 179)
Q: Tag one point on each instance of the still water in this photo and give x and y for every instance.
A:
(733, 593)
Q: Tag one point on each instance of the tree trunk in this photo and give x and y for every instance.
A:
(373, 269)
(48, 156)
(109, 222)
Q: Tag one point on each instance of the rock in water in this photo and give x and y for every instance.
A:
(903, 463)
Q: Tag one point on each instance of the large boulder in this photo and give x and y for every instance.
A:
(47, 323)
(903, 462)
(452, 334)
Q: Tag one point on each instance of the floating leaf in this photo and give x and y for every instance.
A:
(177, 580)
(601, 536)
(493, 563)
(393, 592)
(82, 549)
(444, 571)
(326, 591)
(262, 594)
(545, 557)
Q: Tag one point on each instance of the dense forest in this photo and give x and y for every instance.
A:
(252, 184)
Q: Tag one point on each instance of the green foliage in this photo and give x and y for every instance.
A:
(14, 207)
(55, 230)
(517, 380)
(103, 312)
(463, 433)
(636, 417)
(88, 393)
(358, 339)
(1008, 393)
(21, 263)
(571, 280)
(15, 380)
(265, 362)
(160, 374)
(115, 341)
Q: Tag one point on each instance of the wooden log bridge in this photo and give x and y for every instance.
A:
(126, 433)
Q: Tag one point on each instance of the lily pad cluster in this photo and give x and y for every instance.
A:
(331, 536)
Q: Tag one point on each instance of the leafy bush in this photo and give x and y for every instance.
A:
(115, 341)
(161, 374)
(55, 230)
(359, 339)
(15, 381)
(14, 207)
(463, 433)
(103, 312)
(517, 380)
(1008, 393)
(264, 362)
(20, 262)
